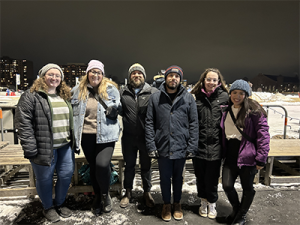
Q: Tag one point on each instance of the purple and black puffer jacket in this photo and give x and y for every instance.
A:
(256, 127)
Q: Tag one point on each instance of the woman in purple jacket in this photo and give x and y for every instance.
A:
(245, 153)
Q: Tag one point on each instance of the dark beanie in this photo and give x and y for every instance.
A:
(174, 69)
(240, 85)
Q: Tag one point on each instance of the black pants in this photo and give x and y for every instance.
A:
(99, 158)
(171, 168)
(207, 176)
(231, 171)
(246, 173)
(130, 146)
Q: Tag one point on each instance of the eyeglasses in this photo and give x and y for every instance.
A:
(54, 75)
(211, 80)
(95, 73)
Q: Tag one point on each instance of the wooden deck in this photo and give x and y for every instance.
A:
(12, 158)
(283, 148)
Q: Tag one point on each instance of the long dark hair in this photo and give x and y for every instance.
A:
(249, 106)
(200, 84)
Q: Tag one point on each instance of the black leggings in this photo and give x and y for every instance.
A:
(99, 158)
(231, 171)
(246, 173)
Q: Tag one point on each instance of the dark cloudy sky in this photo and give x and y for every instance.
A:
(241, 38)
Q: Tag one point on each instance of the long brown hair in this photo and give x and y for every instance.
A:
(200, 84)
(63, 90)
(83, 91)
(249, 106)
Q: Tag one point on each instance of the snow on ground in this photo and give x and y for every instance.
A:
(10, 207)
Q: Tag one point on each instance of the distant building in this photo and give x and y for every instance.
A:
(73, 70)
(275, 83)
(10, 67)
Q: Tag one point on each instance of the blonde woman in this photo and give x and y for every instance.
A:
(45, 128)
(94, 131)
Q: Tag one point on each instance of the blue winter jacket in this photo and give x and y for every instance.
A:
(256, 127)
(172, 127)
(107, 130)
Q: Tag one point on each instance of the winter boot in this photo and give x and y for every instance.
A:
(203, 208)
(126, 198)
(212, 212)
(149, 200)
(247, 199)
(235, 203)
(51, 215)
(107, 205)
(178, 215)
(96, 206)
(63, 210)
(166, 212)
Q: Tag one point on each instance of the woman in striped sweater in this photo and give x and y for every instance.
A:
(44, 120)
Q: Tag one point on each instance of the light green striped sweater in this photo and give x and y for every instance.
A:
(60, 121)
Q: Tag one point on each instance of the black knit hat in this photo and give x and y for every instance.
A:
(240, 85)
(174, 69)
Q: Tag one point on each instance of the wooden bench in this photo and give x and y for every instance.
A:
(12, 155)
(282, 148)
(3, 144)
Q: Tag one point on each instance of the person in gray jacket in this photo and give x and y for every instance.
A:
(134, 99)
(172, 136)
(94, 131)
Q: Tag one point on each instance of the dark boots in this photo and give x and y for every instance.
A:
(97, 206)
(126, 198)
(106, 201)
(149, 199)
(235, 203)
(247, 199)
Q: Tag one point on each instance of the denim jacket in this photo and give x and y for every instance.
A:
(107, 130)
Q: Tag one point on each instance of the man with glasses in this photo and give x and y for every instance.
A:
(134, 99)
(171, 136)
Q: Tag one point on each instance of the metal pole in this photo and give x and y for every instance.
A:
(285, 119)
(1, 118)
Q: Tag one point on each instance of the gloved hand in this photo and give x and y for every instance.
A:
(77, 151)
(189, 155)
(153, 154)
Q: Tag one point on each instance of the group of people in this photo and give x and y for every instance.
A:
(209, 125)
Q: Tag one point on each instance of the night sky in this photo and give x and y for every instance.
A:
(241, 39)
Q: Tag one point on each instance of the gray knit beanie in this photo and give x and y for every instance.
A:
(240, 85)
(49, 66)
(138, 67)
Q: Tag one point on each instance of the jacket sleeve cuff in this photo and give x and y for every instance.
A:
(30, 157)
(260, 163)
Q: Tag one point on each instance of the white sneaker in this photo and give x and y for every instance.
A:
(203, 208)
(212, 212)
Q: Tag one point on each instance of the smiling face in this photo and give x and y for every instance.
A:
(237, 97)
(52, 79)
(172, 82)
(137, 78)
(211, 81)
(95, 77)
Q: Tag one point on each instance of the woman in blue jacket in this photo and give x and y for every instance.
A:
(246, 146)
(94, 131)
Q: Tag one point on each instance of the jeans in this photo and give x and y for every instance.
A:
(130, 146)
(171, 168)
(63, 163)
(207, 176)
(99, 158)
